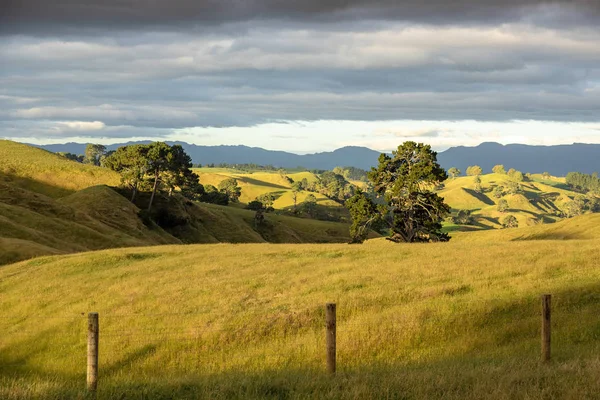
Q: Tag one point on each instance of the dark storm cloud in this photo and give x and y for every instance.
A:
(143, 68)
(25, 15)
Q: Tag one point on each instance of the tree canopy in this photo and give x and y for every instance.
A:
(474, 170)
(405, 182)
(156, 164)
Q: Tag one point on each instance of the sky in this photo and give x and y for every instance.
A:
(301, 76)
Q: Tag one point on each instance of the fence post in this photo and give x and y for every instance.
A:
(330, 322)
(546, 326)
(92, 352)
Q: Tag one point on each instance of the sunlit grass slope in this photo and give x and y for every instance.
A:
(540, 200)
(259, 183)
(433, 321)
(44, 172)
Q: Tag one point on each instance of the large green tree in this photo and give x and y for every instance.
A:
(405, 181)
(132, 163)
(364, 215)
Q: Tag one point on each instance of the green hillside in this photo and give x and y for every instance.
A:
(538, 201)
(433, 321)
(44, 172)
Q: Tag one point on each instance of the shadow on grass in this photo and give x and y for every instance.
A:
(488, 349)
(35, 186)
(480, 196)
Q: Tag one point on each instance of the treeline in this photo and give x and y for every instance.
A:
(583, 182)
(329, 184)
(476, 170)
(242, 167)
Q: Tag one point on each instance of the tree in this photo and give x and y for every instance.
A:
(255, 205)
(178, 172)
(132, 163)
(474, 170)
(454, 172)
(575, 207)
(514, 188)
(310, 204)
(404, 181)
(463, 217)
(93, 153)
(296, 187)
(510, 221)
(502, 205)
(231, 189)
(477, 181)
(267, 200)
(364, 214)
(499, 169)
(516, 175)
(498, 191)
(214, 196)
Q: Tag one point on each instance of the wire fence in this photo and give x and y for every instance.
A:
(185, 342)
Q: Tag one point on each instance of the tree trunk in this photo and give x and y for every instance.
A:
(157, 172)
(134, 192)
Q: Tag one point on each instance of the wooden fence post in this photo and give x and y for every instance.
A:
(330, 321)
(92, 352)
(546, 326)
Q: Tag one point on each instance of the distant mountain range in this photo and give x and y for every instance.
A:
(557, 160)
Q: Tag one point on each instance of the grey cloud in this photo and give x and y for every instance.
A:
(156, 81)
(31, 15)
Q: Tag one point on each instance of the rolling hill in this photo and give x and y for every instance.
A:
(50, 205)
(538, 201)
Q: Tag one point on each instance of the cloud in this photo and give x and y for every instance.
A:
(81, 126)
(152, 68)
(29, 15)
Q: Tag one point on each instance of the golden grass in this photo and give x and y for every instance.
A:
(448, 320)
(44, 172)
(259, 183)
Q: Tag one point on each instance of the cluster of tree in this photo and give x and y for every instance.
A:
(330, 184)
(516, 175)
(242, 167)
(454, 172)
(410, 210)
(73, 157)
(581, 204)
(351, 173)
(474, 170)
(463, 217)
(584, 182)
(95, 154)
(157, 166)
(510, 221)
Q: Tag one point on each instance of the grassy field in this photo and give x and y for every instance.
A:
(449, 320)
